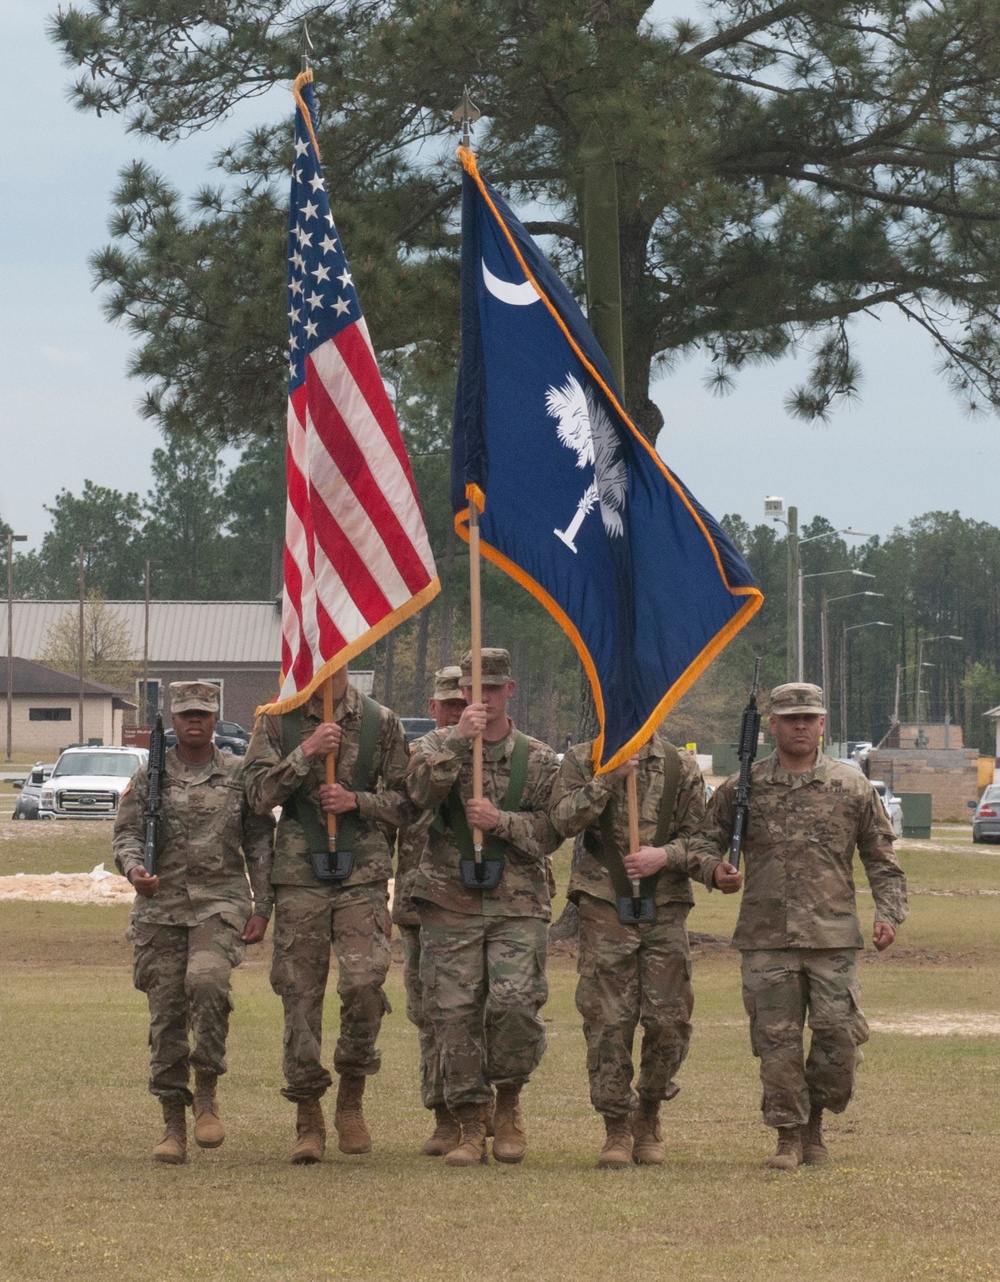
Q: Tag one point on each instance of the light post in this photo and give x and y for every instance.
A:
(145, 650)
(875, 623)
(824, 633)
(944, 636)
(80, 555)
(774, 509)
(11, 540)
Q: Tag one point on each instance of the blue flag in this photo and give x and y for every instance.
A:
(574, 502)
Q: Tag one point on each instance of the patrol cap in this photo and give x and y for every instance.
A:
(797, 698)
(496, 667)
(446, 683)
(194, 696)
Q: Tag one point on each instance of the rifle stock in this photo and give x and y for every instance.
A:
(749, 731)
(157, 755)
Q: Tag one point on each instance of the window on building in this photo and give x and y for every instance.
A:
(50, 714)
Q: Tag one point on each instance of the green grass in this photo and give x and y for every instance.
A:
(911, 1193)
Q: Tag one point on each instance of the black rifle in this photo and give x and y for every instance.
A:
(157, 754)
(749, 732)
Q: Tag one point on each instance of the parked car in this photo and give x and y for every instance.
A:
(892, 805)
(986, 816)
(26, 805)
(87, 783)
(417, 727)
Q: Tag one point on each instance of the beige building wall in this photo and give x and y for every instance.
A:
(952, 778)
(44, 740)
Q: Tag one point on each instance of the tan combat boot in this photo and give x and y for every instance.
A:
(616, 1154)
(510, 1140)
(447, 1133)
(173, 1147)
(788, 1154)
(208, 1129)
(472, 1149)
(814, 1150)
(349, 1119)
(310, 1131)
(647, 1148)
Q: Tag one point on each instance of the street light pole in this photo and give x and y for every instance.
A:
(80, 562)
(944, 636)
(875, 623)
(11, 540)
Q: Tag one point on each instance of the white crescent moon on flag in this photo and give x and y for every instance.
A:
(516, 295)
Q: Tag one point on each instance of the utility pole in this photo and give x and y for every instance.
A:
(11, 540)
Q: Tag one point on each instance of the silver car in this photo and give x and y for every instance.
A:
(986, 817)
(26, 806)
(891, 804)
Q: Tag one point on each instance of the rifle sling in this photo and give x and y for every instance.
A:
(603, 848)
(305, 812)
(451, 813)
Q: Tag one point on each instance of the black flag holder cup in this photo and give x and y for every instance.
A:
(481, 874)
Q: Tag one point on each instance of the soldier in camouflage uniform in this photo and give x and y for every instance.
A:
(446, 707)
(285, 767)
(193, 916)
(798, 926)
(632, 973)
(482, 952)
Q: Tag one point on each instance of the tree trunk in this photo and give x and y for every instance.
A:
(445, 656)
(419, 699)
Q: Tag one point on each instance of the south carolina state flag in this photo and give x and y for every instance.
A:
(574, 502)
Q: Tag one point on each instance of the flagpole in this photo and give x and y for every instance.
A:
(331, 767)
(466, 113)
(476, 639)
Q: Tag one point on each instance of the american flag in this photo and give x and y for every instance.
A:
(357, 557)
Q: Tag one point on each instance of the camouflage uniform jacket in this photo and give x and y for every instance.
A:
(272, 778)
(206, 833)
(409, 849)
(579, 799)
(441, 757)
(799, 855)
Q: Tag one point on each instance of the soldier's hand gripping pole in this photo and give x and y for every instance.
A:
(157, 755)
(749, 732)
(330, 765)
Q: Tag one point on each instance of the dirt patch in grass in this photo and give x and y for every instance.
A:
(940, 1024)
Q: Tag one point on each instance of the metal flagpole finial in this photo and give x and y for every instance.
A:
(466, 113)
(306, 42)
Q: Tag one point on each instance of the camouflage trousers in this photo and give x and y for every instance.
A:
(484, 984)
(782, 988)
(431, 1078)
(307, 920)
(185, 973)
(632, 975)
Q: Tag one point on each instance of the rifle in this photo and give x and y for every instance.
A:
(749, 730)
(157, 754)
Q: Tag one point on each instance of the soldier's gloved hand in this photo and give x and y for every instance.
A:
(882, 935)
(645, 861)
(323, 740)
(482, 814)
(472, 721)
(727, 878)
(255, 930)
(144, 883)
(625, 769)
(336, 799)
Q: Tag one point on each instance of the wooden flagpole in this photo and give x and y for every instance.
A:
(331, 767)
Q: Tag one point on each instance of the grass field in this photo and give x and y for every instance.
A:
(912, 1191)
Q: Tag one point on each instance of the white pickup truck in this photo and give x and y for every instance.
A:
(88, 783)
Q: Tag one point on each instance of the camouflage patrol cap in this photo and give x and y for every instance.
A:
(446, 683)
(797, 698)
(194, 696)
(496, 667)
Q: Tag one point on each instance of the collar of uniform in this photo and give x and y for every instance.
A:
(502, 748)
(347, 708)
(177, 769)
(778, 774)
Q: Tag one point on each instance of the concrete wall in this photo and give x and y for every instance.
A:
(951, 777)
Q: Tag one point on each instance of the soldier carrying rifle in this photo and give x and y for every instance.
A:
(798, 928)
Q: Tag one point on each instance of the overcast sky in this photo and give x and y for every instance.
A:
(69, 411)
